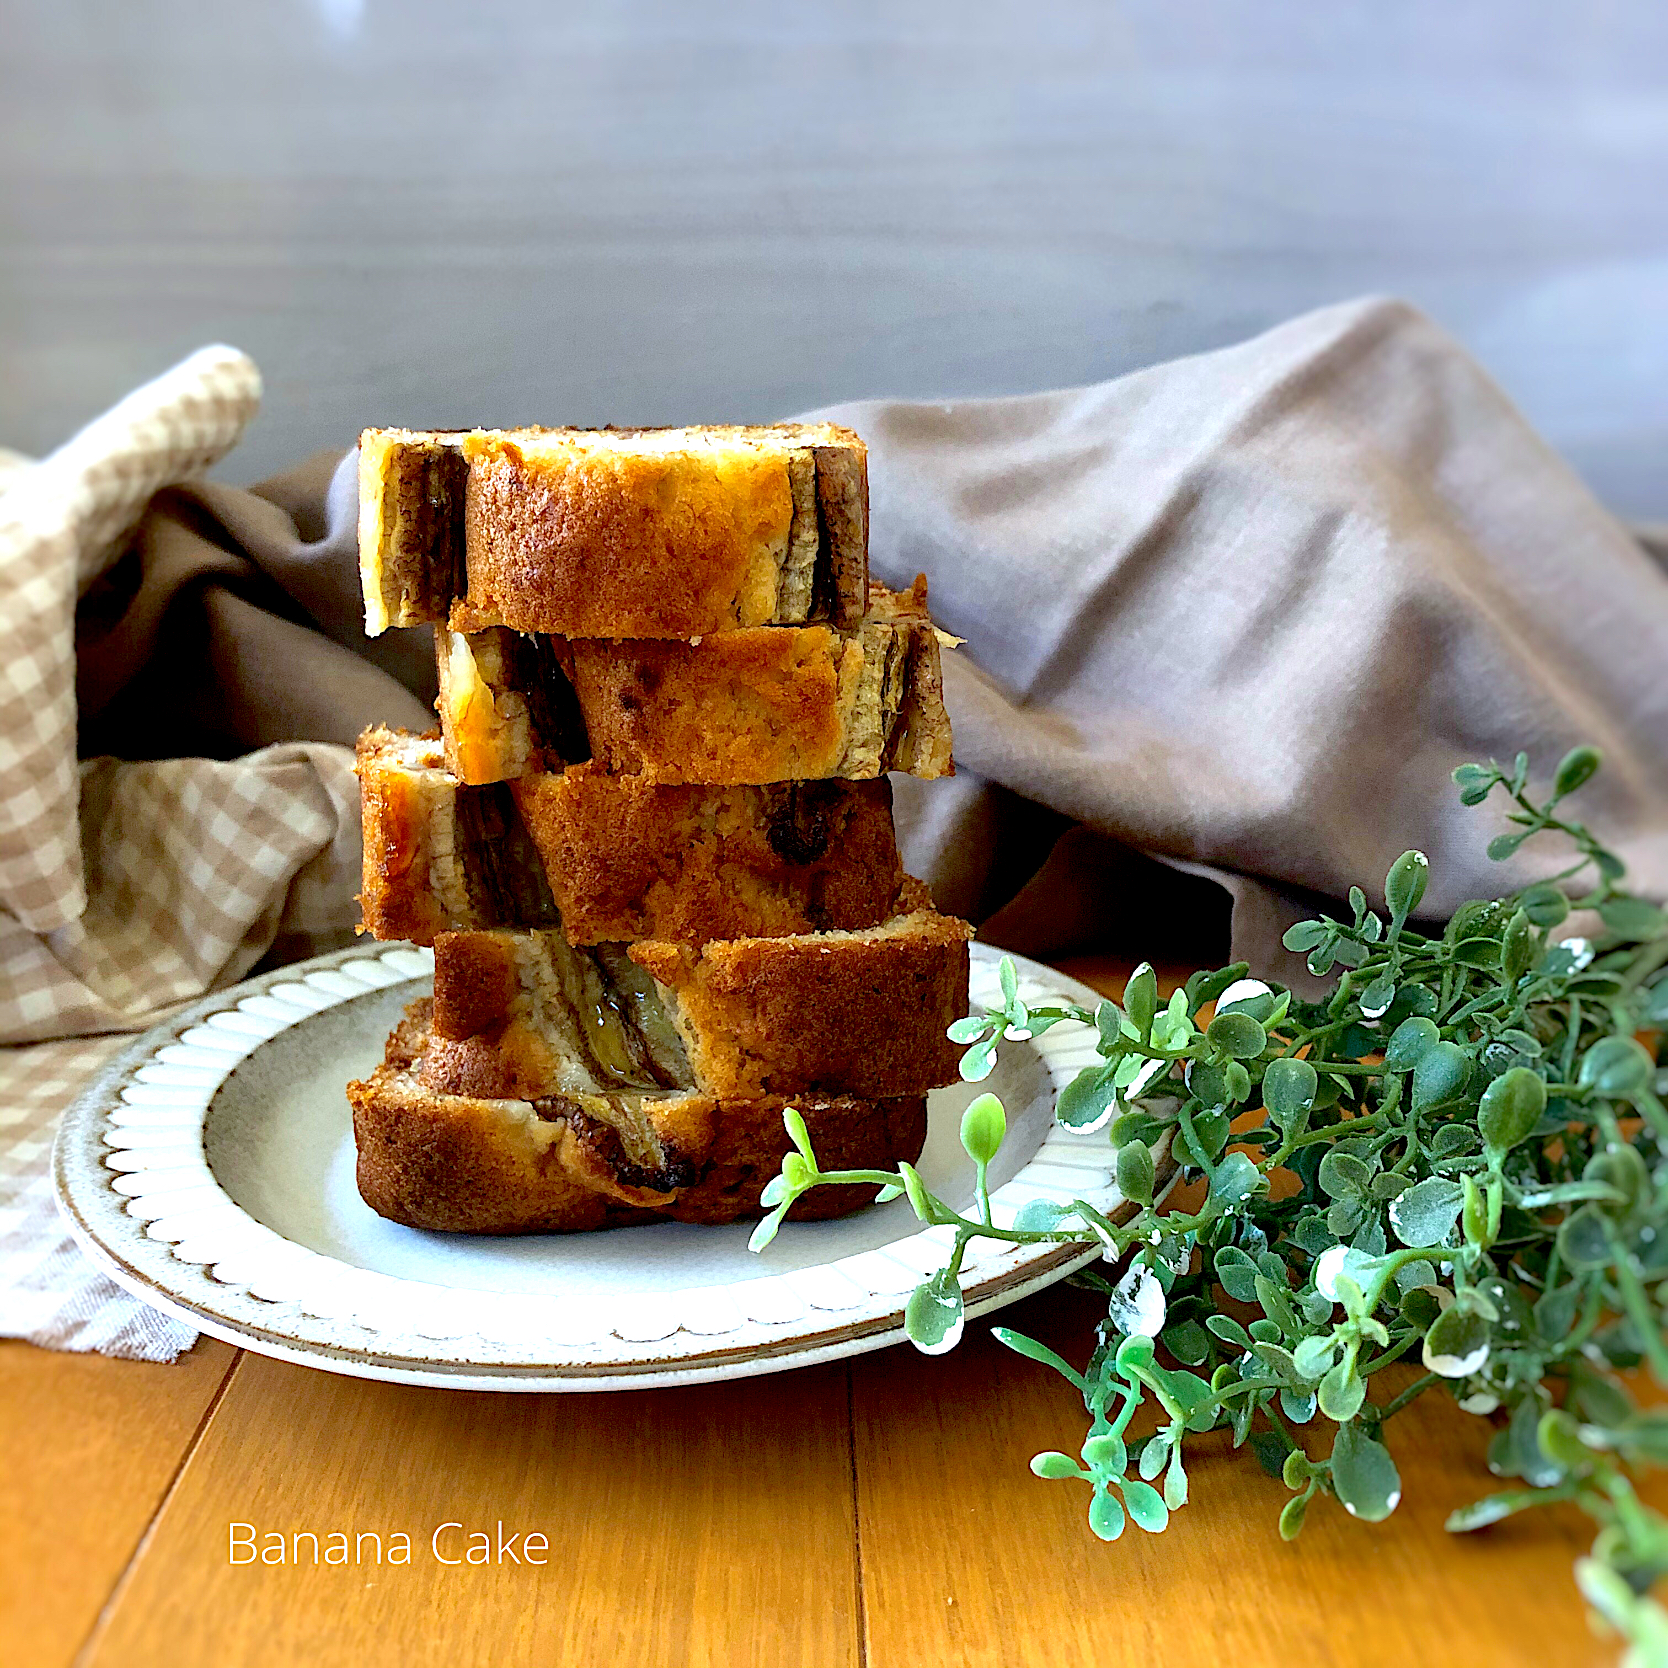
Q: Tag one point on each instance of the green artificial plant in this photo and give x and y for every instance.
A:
(1473, 1150)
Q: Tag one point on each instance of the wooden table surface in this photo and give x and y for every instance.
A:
(878, 1511)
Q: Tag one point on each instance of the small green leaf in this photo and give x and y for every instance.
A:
(1427, 1211)
(1342, 1391)
(969, 1029)
(1175, 1482)
(1135, 1354)
(1087, 1101)
(1633, 918)
(765, 1232)
(799, 1135)
(1404, 885)
(1312, 1356)
(1236, 1179)
(1189, 1342)
(1474, 782)
(1146, 1505)
(1555, 1312)
(1106, 1453)
(1364, 1475)
(1343, 1176)
(1503, 846)
(1289, 1088)
(979, 1061)
(933, 1317)
(1228, 1330)
(1270, 1450)
(1208, 1083)
(983, 1126)
(1440, 1076)
(1656, 1004)
(1618, 1067)
(1558, 1437)
(1292, 1515)
(1009, 976)
(1511, 1107)
(1054, 1466)
(1583, 1241)
(1041, 1216)
(1152, 1457)
(1141, 999)
(1574, 768)
(1519, 947)
(1303, 936)
(1237, 1035)
(1297, 1470)
(1410, 1042)
(1237, 1273)
(1493, 1507)
(1106, 1515)
(1457, 1344)
(1136, 1172)
(1545, 905)
(1202, 988)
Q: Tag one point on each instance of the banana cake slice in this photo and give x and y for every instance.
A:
(772, 704)
(526, 1013)
(594, 1154)
(615, 857)
(613, 532)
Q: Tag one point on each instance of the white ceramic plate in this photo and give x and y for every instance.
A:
(210, 1170)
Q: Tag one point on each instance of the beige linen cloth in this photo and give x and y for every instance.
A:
(1230, 624)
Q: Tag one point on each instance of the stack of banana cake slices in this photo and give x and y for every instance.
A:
(651, 842)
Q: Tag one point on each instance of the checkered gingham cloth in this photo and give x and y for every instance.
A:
(125, 889)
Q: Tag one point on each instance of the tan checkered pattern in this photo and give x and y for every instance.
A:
(126, 889)
(62, 522)
(49, 1292)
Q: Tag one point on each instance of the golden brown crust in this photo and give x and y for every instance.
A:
(400, 888)
(613, 532)
(617, 543)
(836, 1013)
(457, 1165)
(468, 1164)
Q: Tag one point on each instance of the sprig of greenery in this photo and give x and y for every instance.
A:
(1473, 1150)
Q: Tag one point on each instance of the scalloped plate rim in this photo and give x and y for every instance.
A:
(822, 1335)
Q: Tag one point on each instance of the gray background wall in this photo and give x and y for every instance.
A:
(652, 211)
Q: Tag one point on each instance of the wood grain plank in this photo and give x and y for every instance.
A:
(88, 1448)
(710, 1525)
(969, 1559)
